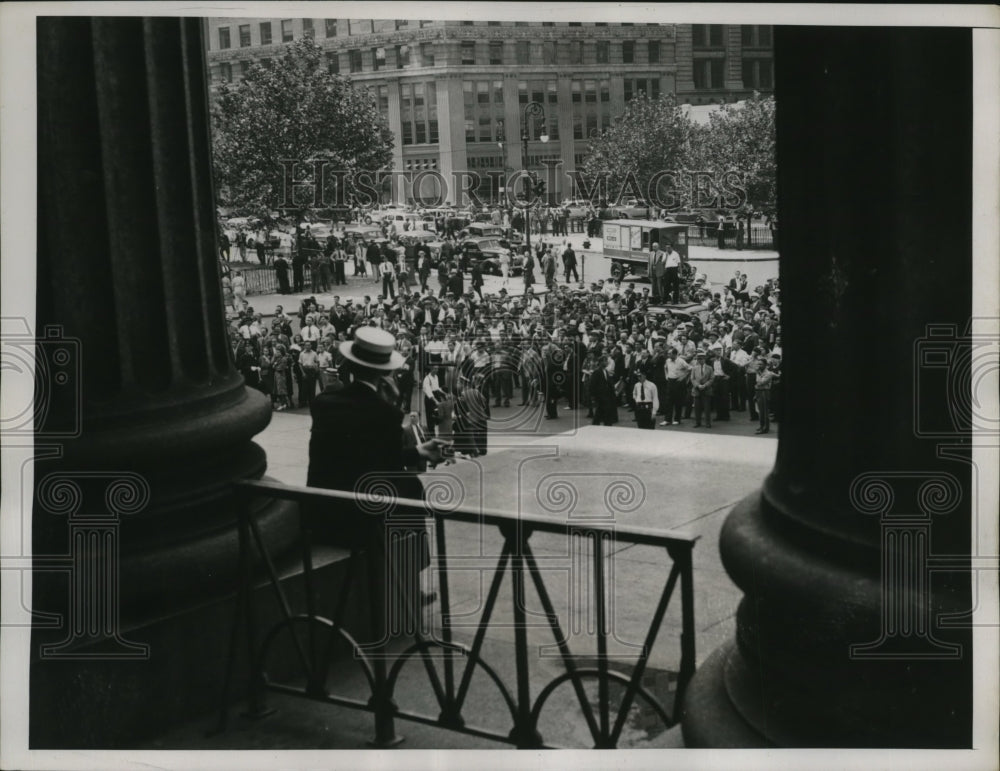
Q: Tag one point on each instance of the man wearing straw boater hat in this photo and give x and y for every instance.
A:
(357, 445)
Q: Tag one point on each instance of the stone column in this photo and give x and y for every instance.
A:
(128, 270)
(840, 639)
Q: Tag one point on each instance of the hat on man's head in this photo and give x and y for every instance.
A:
(373, 348)
(699, 354)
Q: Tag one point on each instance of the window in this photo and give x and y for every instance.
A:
(354, 60)
(628, 51)
(706, 35)
(576, 52)
(467, 23)
(523, 52)
(333, 63)
(755, 36)
(520, 24)
(265, 33)
(575, 90)
(650, 87)
(482, 93)
(307, 28)
(575, 24)
(402, 56)
(417, 111)
(378, 58)
(360, 26)
(427, 54)
(223, 37)
(497, 92)
(654, 51)
(548, 24)
(244, 69)
(522, 93)
(603, 51)
(432, 115)
(425, 23)
(549, 52)
(286, 31)
(398, 24)
(590, 91)
(605, 91)
(226, 72)
(708, 73)
(331, 28)
(492, 24)
(758, 73)
(468, 51)
(496, 51)
(244, 35)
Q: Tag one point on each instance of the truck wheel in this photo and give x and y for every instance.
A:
(617, 271)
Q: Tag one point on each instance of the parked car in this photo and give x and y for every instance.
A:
(367, 232)
(686, 216)
(578, 207)
(486, 251)
(627, 208)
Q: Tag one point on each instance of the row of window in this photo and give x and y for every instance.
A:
(287, 31)
(713, 35)
(528, 52)
(354, 27)
(709, 74)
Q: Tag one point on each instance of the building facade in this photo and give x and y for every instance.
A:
(454, 92)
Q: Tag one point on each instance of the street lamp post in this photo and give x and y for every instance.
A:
(535, 110)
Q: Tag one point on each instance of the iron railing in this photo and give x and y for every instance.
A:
(516, 555)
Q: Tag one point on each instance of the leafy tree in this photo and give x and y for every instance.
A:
(651, 137)
(293, 109)
(740, 137)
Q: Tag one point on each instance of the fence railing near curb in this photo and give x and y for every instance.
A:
(449, 664)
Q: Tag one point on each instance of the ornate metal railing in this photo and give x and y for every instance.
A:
(516, 555)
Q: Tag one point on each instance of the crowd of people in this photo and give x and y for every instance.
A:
(600, 349)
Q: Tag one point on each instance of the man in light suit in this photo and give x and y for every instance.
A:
(702, 375)
(658, 271)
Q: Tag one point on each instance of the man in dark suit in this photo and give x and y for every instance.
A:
(356, 444)
(702, 375)
(602, 394)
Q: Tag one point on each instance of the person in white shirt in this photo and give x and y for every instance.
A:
(432, 396)
(310, 332)
(647, 402)
(677, 372)
(672, 276)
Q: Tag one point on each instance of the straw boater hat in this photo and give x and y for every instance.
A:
(373, 348)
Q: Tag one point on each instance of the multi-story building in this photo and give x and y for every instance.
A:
(454, 92)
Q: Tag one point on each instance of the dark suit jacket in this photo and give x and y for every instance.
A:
(602, 396)
(357, 442)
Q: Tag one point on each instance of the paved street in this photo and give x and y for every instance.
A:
(593, 266)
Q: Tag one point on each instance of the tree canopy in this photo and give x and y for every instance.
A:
(651, 136)
(656, 151)
(741, 137)
(292, 109)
